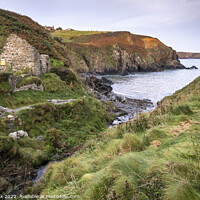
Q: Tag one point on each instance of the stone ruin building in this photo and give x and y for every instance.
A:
(18, 54)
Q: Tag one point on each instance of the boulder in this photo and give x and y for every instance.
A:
(18, 134)
(11, 117)
(123, 73)
(105, 80)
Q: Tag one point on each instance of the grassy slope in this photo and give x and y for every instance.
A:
(29, 30)
(62, 126)
(56, 86)
(69, 36)
(123, 164)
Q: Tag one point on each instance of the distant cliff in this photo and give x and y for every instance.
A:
(188, 55)
(121, 53)
(101, 52)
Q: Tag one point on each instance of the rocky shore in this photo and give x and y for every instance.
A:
(126, 108)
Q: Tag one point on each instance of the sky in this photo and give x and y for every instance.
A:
(175, 22)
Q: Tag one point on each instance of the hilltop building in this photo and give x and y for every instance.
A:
(49, 28)
(69, 29)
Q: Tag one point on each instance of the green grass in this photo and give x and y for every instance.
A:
(52, 83)
(62, 127)
(69, 36)
(56, 62)
(29, 80)
(25, 150)
(56, 86)
(23, 98)
(5, 87)
(74, 122)
(122, 164)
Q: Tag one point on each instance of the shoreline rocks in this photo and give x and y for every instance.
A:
(193, 67)
(102, 86)
(126, 108)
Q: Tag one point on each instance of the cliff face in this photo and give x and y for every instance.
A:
(122, 52)
(188, 55)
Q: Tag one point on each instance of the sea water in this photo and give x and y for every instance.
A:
(155, 85)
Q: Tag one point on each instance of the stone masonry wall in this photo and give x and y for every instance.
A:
(19, 55)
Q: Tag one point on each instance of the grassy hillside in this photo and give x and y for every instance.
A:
(63, 127)
(104, 40)
(155, 156)
(56, 86)
(70, 36)
(130, 42)
(29, 30)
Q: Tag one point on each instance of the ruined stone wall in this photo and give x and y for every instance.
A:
(14, 80)
(19, 55)
(45, 63)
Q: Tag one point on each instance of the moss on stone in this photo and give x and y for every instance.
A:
(28, 81)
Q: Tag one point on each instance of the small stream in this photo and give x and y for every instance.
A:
(41, 171)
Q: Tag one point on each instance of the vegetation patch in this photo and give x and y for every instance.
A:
(52, 83)
(56, 62)
(5, 86)
(69, 36)
(54, 88)
(72, 122)
(170, 171)
(28, 81)
(155, 134)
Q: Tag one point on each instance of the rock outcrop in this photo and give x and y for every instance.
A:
(193, 67)
(122, 53)
(103, 86)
